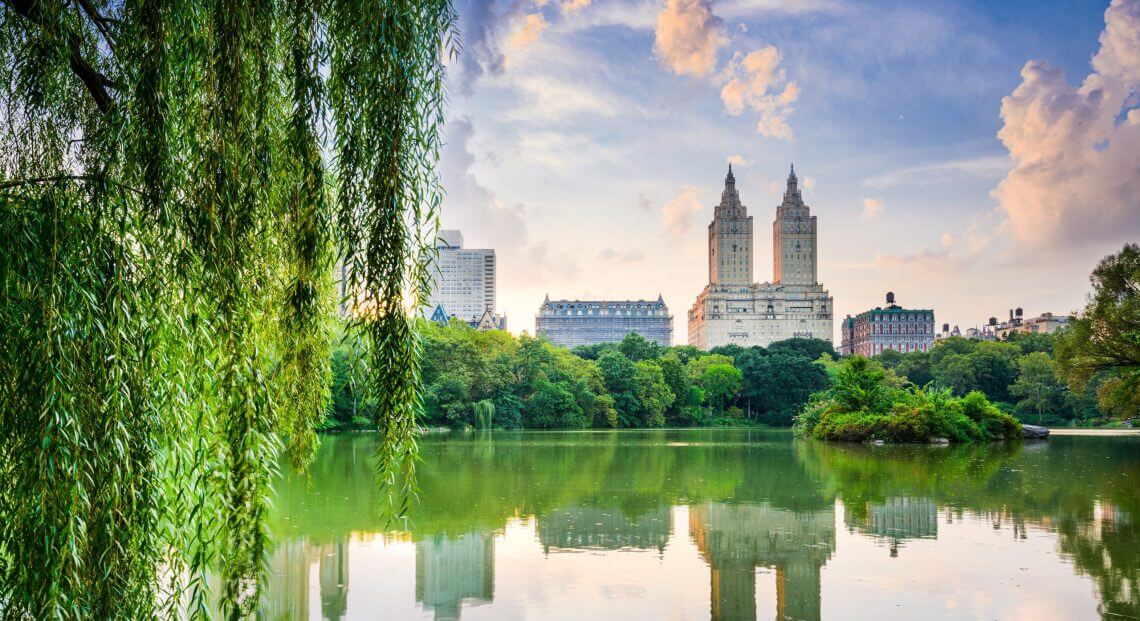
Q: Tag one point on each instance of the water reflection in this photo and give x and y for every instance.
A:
(564, 523)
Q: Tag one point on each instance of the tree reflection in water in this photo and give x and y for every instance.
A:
(757, 499)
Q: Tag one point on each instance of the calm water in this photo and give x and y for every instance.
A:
(727, 524)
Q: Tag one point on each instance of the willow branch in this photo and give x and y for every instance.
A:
(95, 82)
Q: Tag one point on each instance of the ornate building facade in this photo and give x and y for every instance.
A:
(875, 331)
(570, 323)
(734, 309)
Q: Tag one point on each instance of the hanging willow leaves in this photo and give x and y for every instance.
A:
(179, 181)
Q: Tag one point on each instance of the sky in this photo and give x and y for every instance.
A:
(971, 157)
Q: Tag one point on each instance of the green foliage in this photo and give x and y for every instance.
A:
(867, 402)
(638, 348)
(169, 223)
(811, 349)
(1037, 386)
(620, 378)
(777, 385)
(552, 406)
(720, 382)
(1104, 339)
(484, 414)
(653, 394)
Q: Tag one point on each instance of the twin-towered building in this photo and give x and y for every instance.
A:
(733, 309)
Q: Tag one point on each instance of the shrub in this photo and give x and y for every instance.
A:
(867, 403)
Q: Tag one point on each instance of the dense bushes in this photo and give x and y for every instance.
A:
(868, 402)
(1018, 374)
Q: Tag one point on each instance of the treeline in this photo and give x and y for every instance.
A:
(1019, 374)
(495, 379)
(1086, 375)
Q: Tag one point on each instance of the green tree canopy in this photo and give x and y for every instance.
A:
(1105, 337)
(637, 348)
(720, 383)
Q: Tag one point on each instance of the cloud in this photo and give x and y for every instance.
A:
(568, 6)
(738, 160)
(871, 208)
(480, 23)
(528, 30)
(809, 183)
(1076, 150)
(543, 98)
(486, 221)
(621, 256)
(679, 211)
(688, 37)
(754, 82)
(988, 166)
(956, 253)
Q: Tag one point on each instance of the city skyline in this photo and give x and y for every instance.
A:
(587, 140)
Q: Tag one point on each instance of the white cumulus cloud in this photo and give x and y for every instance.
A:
(871, 208)
(756, 81)
(1076, 150)
(688, 37)
(679, 211)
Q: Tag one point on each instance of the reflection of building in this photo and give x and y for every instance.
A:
(734, 309)
(570, 323)
(896, 519)
(287, 590)
(451, 571)
(604, 528)
(894, 327)
(735, 539)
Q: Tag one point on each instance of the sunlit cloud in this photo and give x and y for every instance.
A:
(528, 30)
(1076, 149)
(737, 160)
(688, 37)
(872, 207)
(679, 211)
(754, 82)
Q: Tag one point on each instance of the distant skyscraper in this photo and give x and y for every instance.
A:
(894, 327)
(464, 281)
(734, 309)
(570, 323)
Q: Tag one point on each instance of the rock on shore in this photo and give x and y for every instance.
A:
(1033, 432)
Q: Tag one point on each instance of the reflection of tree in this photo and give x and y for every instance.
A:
(1082, 487)
(605, 528)
(749, 489)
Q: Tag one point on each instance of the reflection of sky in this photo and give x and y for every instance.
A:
(972, 570)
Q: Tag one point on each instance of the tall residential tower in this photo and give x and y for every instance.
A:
(734, 309)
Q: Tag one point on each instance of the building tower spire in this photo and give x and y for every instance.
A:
(730, 180)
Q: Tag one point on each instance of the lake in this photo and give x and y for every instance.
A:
(721, 524)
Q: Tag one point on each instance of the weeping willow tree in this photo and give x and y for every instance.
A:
(179, 179)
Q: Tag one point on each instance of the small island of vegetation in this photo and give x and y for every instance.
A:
(867, 402)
